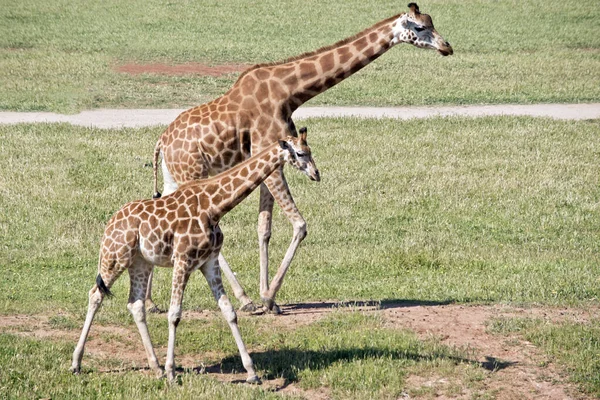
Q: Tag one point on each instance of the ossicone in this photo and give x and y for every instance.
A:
(414, 8)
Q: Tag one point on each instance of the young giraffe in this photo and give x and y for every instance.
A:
(182, 231)
(257, 111)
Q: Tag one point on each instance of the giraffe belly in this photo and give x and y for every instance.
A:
(156, 253)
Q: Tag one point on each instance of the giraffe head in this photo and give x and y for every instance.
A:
(298, 155)
(417, 29)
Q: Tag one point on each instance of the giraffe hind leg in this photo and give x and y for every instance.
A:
(95, 297)
(139, 274)
(247, 304)
(102, 286)
(150, 304)
(109, 272)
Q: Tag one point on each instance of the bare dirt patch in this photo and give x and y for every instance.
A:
(181, 69)
(512, 367)
(104, 342)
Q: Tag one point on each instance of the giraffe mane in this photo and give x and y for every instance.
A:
(320, 50)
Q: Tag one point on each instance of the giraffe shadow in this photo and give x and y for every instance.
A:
(286, 363)
(289, 363)
(494, 364)
(322, 306)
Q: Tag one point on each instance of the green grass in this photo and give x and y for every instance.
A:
(576, 345)
(60, 56)
(335, 353)
(490, 210)
(484, 210)
(38, 369)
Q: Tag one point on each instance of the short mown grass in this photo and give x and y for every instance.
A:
(61, 55)
(490, 210)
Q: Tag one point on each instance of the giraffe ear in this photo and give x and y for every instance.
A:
(414, 8)
(303, 131)
(284, 145)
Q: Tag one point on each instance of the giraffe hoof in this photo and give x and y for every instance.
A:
(249, 308)
(271, 306)
(75, 370)
(275, 309)
(171, 378)
(254, 380)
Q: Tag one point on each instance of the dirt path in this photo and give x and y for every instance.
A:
(104, 118)
(512, 367)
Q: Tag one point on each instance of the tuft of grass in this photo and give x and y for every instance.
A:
(63, 322)
(60, 56)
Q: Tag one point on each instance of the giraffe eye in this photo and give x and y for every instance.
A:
(419, 28)
(300, 154)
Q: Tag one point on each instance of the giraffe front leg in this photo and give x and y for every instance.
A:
(264, 235)
(299, 234)
(212, 273)
(278, 187)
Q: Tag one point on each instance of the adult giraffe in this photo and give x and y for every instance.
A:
(257, 111)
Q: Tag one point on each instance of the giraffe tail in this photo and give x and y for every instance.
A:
(102, 286)
(157, 148)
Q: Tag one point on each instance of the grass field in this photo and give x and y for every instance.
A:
(437, 211)
(61, 55)
(434, 215)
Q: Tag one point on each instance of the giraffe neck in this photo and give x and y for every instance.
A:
(332, 65)
(233, 186)
(295, 81)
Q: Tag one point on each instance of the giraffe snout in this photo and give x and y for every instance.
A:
(312, 173)
(316, 176)
(446, 49)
